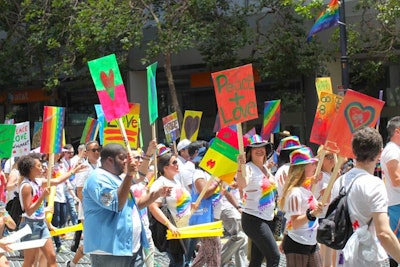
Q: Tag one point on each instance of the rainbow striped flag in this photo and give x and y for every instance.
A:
(52, 130)
(272, 118)
(326, 20)
(89, 132)
(101, 119)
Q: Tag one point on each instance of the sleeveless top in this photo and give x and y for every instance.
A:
(39, 214)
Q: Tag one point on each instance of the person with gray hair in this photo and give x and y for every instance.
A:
(390, 162)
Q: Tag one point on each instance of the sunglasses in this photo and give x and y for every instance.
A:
(95, 150)
(138, 157)
(175, 162)
(70, 152)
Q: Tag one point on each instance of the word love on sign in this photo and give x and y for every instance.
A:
(357, 110)
(235, 95)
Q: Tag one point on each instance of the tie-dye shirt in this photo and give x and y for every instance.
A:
(178, 202)
(297, 202)
(39, 214)
(259, 194)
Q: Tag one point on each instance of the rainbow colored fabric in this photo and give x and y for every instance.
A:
(52, 131)
(272, 118)
(89, 132)
(327, 19)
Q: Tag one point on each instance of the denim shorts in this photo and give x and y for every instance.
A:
(39, 229)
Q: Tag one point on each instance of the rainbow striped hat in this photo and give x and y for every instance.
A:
(302, 155)
(289, 143)
(162, 149)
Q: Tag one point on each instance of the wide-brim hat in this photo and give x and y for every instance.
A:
(289, 143)
(301, 156)
(162, 149)
(257, 141)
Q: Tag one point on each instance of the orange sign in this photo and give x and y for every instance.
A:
(327, 109)
(357, 110)
(235, 94)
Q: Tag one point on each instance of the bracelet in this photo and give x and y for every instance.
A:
(166, 222)
(309, 216)
(72, 173)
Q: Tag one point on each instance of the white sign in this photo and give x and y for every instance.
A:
(22, 140)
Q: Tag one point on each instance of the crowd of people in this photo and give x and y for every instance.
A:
(272, 209)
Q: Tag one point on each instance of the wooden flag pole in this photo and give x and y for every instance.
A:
(240, 143)
(332, 179)
(319, 167)
(124, 135)
(202, 193)
(52, 194)
(154, 136)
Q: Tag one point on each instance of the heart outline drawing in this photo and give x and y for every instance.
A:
(108, 82)
(191, 125)
(355, 115)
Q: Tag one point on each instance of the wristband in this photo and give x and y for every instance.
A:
(166, 222)
(309, 216)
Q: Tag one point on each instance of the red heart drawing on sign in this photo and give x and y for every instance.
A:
(357, 115)
(191, 125)
(108, 82)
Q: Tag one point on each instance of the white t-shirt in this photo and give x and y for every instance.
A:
(390, 152)
(259, 194)
(279, 177)
(178, 202)
(297, 202)
(367, 195)
(185, 175)
(8, 165)
(321, 185)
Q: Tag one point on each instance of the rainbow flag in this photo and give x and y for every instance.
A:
(52, 129)
(220, 159)
(272, 118)
(89, 132)
(326, 20)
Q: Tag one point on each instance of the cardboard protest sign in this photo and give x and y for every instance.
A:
(112, 131)
(22, 140)
(152, 92)
(191, 124)
(109, 86)
(171, 127)
(357, 110)
(328, 107)
(7, 133)
(323, 84)
(37, 134)
(52, 129)
(235, 95)
(272, 118)
(9, 121)
(220, 159)
(90, 131)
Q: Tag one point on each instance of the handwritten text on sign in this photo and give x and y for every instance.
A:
(235, 95)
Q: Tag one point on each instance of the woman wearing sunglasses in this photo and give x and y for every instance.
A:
(178, 202)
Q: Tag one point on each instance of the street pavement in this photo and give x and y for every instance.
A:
(161, 258)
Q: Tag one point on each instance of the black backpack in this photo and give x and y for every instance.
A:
(336, 228)
(15, 210)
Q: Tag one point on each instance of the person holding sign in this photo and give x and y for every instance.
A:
(178, 202)
(32, 195)
(367, 202)
(259, 189)
(301, 211)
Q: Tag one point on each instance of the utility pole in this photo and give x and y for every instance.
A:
(344, 59)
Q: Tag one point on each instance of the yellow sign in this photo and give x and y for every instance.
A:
(112, 132)
(191, 125)
(323, 84)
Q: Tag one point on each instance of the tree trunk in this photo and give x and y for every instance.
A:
(171, 86)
